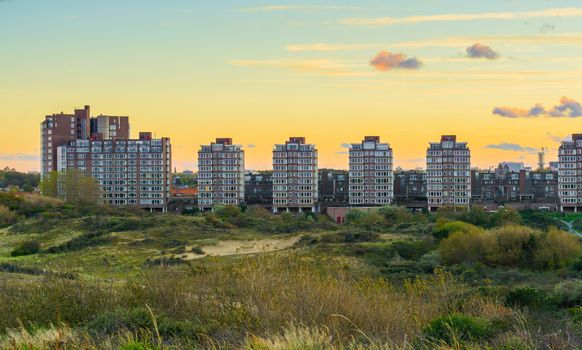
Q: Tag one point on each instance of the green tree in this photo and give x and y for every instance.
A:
(72, 185)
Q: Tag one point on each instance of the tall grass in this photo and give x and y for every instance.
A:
(260, 300)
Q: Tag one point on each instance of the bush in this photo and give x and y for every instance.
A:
(197, 250)
(444, 228)
(457, 327)
(568, 293)
(412, 250)
(26, 248)
(511, 245)
(86, 240)
(349, 237)
(527, 297)
(140, 319)
(7, 217)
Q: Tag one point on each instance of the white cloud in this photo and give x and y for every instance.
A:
(453, 17)
(278, 8)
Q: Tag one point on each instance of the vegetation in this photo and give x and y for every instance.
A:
(10, 178)
(84, 276)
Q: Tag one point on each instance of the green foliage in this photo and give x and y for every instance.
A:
(85, 240)
(456, 328)
(26, 248)
(576, 314)
(512, 246)
(527, 297)
(7, 217)
(134, 320)
(444, 228)
(26, 182)
(349, 236)
(568, 293)
(540, 219)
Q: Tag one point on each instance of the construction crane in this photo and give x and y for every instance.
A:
(542, 158)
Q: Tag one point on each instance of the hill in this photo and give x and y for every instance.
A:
(83, 276)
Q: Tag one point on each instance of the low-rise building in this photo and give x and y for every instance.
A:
(259, 188)
(409, 186)
(333, 187)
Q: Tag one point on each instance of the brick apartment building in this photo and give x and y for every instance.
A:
(570, 174)
(259, 188)
(409, 186)
(60, 129)
(135, 172)
(295, 176)
(333, 187)
(221, 174)
(371, 176)
(448, 165)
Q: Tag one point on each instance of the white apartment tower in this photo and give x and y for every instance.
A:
(570, 174)
(221, 168)
(295, 176)
(448, 167)
(371, 176)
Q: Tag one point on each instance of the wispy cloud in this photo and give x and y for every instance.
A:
(572, 39)
(251, 145)
(326, 67)
(556, 138)
(514, 147)
(385, 61)
(324, 47)
(478, 50)
(278, 8)
(345, 145)
(19, 156)
(453, 17)
(567, 108)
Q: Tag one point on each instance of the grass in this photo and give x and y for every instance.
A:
(336, 288)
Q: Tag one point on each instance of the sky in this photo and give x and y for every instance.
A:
(504, 76)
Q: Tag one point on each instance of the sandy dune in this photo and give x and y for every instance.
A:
(224, 248)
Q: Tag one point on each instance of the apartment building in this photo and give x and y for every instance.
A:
(570, 174)
(259, 188)
(333, 187)
(60, 129)
(371, 176)
(221, 174)
(134, 172)
(448, 165)
(295, 176)
(410, 186)
(106, 127)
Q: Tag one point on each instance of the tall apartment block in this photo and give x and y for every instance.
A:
(106, 127)
(448, 165)
(570, 174)
(60, 129)
(371, 176)
(129, 172)
(295, 176)
(221, 174)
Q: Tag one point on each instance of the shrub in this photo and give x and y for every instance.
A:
(411, 250)
(7, 217)
(457, 327)
(557, 249)
(197, 250)
(26, 248)
(568, 293)
(527, 297)
(138, 319)
(445, 228)
(86, 240)
(466, 247)
(576, 314)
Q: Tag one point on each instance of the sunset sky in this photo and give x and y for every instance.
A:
(505, 76)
